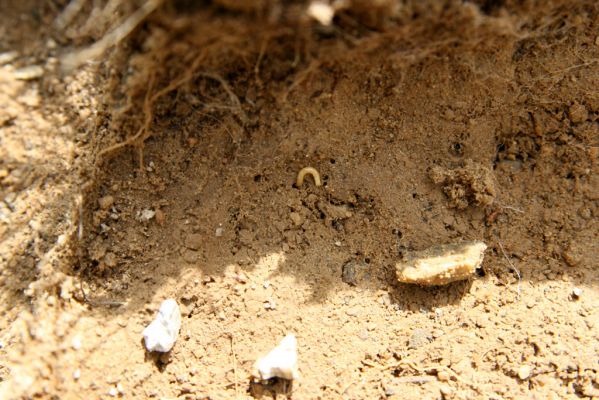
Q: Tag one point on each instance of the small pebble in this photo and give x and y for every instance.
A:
(437, 333)
(161, 334)
(280, 362)
(194, 241)
(8, 56)
(443, 376)
(419, 338)
(578, 113)
(219, 232)
(76, 343)
(353, 312)
(113, 392)
(363, 334)
(389, 391)
(28, 73)
(77, 374)
(295, 218)
(576, 293)
(441, 264)
(110, 260)
(524, 372)
(106, 202)
(270, 305)
(145, 215)
(160, 216)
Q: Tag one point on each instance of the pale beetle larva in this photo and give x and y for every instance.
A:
(308, 171)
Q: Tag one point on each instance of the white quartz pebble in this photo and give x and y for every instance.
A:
(281, 362)
(162, 333)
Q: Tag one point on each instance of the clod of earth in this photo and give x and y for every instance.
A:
(441, 264)
(281, 362)
(473, 184)
(354, 272)
(162, 333)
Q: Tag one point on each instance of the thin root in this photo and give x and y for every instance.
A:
(511, 265)
(73, 60)
(308, 171)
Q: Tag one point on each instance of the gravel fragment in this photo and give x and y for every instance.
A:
(106, 202)
(524, 372)
(419, 338)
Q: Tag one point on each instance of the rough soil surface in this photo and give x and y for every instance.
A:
(167, 170)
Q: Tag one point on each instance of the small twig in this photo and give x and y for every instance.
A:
(95, 303)
(511, 265)
(511, 208)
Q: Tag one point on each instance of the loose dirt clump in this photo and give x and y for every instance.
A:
(471, 184)
(166, 168)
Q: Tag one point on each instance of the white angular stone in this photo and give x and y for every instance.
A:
(441, 264)
(162, 333)
(322, 12)
(281, 362)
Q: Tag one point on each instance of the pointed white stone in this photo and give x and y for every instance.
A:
(162, 333)
(281, 362)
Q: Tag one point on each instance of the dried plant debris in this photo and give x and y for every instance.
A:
(441, 264)
(473, 184)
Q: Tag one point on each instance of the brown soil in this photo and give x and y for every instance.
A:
(168, 169)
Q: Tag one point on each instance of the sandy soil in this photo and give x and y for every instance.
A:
(167, 170)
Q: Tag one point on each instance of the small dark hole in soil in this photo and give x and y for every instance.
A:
(333, 161)
(457, 149)
(481, 272)
(401, 250)
(257, 178)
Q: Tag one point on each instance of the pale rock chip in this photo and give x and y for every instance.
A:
(162, 333)
(322, 12)
(441, 264)
(281, 362)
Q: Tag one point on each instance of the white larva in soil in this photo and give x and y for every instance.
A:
(281, 362)
(162, 333)
(308, 171)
